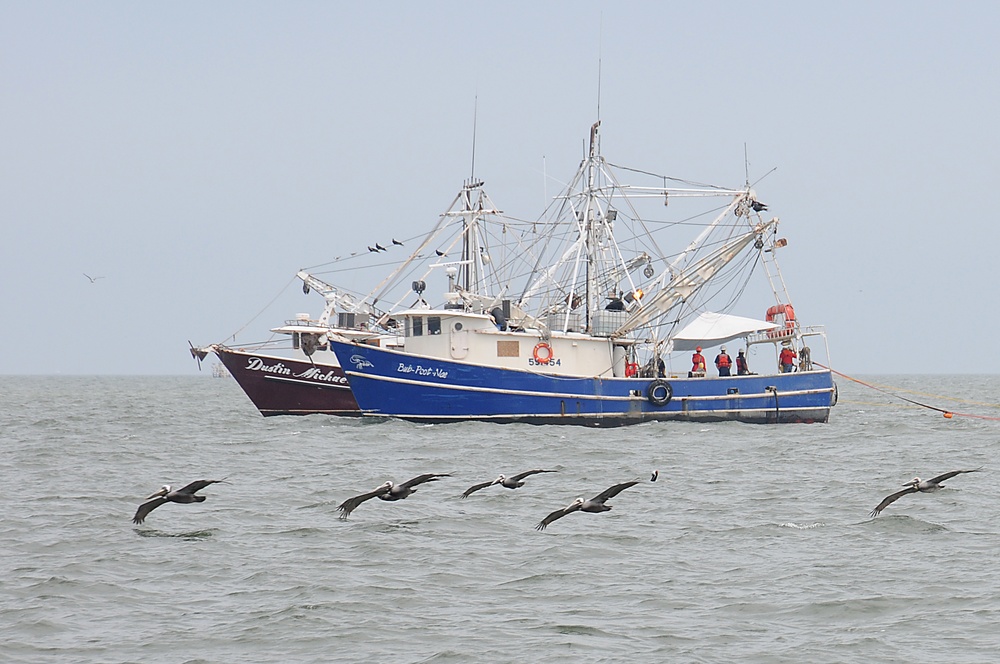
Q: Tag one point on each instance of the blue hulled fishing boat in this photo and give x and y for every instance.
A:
(598, 332)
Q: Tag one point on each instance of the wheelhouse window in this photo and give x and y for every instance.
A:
(417, 326)
(433, 325)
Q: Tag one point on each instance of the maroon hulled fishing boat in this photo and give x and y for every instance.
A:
(295, 372)
(289, 381)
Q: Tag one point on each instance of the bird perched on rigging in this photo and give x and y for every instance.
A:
(512, 482)
(918, 485)
(595, 504)
(379, 247)
(388, 491)
(373, 250)
(167, 495)
(439, 252)
(395, 241)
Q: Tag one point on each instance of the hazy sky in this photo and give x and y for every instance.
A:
(196, 154)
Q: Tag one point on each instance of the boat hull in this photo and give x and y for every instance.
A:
(395, 384)
(287, 386)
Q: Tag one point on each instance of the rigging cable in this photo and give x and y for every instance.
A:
(266, 306)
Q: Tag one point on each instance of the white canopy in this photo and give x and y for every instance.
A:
(710, 329)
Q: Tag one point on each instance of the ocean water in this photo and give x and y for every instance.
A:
(754, 545)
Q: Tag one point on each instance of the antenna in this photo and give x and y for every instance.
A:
(475, 115)
(600, 46)
(746, 164)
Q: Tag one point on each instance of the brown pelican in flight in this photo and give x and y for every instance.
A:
(185, 494)
(595, 504)
(388, 491)
(918, 485)
(512, 482)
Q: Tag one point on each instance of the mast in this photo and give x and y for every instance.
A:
(592, 295)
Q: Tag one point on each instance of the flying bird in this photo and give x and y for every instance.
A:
(92, 279)
(918, 485)
(379, 247)
(512, 482)
(395, 241)
(388, 491)
(595, 504)
(185, 494)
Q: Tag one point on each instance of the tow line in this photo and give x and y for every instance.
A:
(948, 414)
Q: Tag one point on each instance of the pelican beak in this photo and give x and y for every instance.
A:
(162, 492)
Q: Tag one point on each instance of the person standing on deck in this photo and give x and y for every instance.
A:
(787, 358)
(697, 364)
(723, 362)
(742, 369)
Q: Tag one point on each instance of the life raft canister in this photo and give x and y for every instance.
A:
(659, 392)
(778, 313)
(542, 353)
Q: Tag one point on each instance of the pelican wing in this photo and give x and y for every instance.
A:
(890, 499)
(612, 492)
(146, 508)
(351, 504)
(521, 476)
(558, 514)
(420, 479)
(197, 486)
(476, 487)
(949, 475)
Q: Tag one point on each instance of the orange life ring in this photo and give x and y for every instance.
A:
(788, 314)
(547, 353)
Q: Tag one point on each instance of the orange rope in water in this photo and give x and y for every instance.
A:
(947, 413)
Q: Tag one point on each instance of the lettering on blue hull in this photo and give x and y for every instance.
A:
(418, 370)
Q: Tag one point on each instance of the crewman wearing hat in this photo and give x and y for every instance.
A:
(786, 359)
(742, 368)
(697, 363)
(723, 362)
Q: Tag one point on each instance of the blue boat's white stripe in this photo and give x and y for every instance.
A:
(624, 415)
(579, 396)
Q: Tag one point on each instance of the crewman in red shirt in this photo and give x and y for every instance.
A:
(787, 358)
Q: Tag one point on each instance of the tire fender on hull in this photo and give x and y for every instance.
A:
(659, 392)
